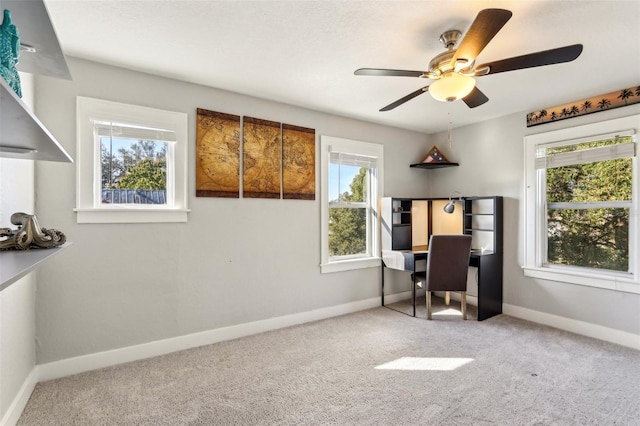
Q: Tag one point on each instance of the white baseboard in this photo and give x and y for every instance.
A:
(69, 366)
(84, 363)
(574, 326)
(579, 327)
(14, 411)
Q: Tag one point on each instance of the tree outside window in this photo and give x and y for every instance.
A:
(133, 165)
(581, 205)
(588, 207)
(348, 219)
(352, 182)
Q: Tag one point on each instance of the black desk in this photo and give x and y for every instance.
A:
(489, 266)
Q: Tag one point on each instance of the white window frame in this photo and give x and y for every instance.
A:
(330, 144)
(535, 211)
(89, 208)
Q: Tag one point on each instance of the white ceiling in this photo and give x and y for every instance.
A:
(304, 53)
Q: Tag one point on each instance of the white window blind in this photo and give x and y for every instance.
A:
(584, 156)
(128, 131)
(345, 159)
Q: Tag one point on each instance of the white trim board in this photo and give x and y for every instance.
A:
(579, 327)
(18, 404)
(70, 366)
(80, 364)
(567, 324)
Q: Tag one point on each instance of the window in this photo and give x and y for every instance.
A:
(131, 163)
(581, 205)
(351, 184)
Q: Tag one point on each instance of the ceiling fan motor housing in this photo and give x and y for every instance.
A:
(441, 63)
(450, 38)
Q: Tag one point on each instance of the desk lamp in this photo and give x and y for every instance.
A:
(451, 205)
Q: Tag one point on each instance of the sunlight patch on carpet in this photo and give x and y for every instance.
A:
(422, 363)
(449, 311)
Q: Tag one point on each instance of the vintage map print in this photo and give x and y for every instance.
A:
(217, 154)
(262, 158)
(298, 163)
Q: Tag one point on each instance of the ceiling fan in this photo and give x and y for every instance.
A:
(454, 70)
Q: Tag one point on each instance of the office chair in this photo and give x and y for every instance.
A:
(447, 266)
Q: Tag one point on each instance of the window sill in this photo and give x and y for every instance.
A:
(131, 215)
(612, 282)
(348, 265)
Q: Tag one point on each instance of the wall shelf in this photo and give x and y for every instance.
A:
(22, 135)
(32, 20)
(15, 264)
(429, 166)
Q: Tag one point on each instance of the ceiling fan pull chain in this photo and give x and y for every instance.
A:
(449, 131)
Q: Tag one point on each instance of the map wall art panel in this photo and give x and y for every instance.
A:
(217, 154)
(298, 162)
(262, 156)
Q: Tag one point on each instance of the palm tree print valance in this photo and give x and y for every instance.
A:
(611, 100)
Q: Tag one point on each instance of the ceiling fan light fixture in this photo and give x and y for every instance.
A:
(451, 87)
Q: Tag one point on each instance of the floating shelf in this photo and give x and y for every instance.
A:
(36, 31)
(433, 165)
(15, 264)
(22, 134)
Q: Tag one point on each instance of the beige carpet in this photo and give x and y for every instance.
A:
(375, 367)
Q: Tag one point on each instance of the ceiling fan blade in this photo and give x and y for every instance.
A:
(482, 30)
(537, 59)
(405, 99)
(388, 73)
(475, 98)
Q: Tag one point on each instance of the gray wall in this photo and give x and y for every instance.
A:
(491, 157)
(235, 261)
(243, 260)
